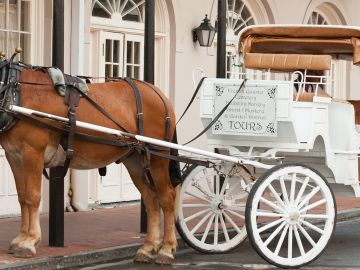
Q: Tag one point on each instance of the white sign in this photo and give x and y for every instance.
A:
(252, 112)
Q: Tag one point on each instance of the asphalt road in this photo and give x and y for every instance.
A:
(342, 252)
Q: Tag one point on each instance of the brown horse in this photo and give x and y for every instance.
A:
(29, 148)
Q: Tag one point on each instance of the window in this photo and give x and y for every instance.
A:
(238, 17)
(15, 27)
(129, 10)
(317, 18)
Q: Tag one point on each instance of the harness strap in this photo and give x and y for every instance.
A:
(100, 109)
(140, 116)
(192, 98)
(167, 117)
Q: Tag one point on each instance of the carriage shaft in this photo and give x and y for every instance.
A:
(140, 138)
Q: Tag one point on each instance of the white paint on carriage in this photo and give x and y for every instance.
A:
(322, 131)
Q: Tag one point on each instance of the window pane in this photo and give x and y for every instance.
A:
(137, 72)
(2, 41)
(13, 15)
(25, 45)
(108, 71)
(2, 14)
(116, 71)
(116, 51)
(13, 42)
(129, 49)
(129, 71)
(137, 53)
(25, 18)
(108, 50)
(101, 11)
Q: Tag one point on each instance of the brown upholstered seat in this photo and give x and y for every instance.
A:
(287, 62)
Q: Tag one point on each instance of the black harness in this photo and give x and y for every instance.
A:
(9, 92)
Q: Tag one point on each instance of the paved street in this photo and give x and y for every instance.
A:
(343, 251)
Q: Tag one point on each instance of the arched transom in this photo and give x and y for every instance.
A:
(127, 10)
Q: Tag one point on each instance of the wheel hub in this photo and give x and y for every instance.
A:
(293, 216)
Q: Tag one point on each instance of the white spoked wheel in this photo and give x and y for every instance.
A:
(211, 215)
(290, 215)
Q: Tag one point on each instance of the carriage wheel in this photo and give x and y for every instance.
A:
(210, 214)
(290, 215)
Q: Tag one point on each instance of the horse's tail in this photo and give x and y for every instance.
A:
(175, 173)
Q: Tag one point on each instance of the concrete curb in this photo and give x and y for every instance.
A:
(115, 253)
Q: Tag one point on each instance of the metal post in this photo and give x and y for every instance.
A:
(221, 52)
(221, 40)
(149, 60)
(56, 189)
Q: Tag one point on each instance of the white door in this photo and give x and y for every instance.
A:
(121, 56)
(8, 197)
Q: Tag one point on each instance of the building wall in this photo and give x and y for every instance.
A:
(181, 56)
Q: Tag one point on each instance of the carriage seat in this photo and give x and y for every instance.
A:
(287, 62)
(60, 80)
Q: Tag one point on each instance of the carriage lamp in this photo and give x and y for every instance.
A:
(2, 55)
(204, 33)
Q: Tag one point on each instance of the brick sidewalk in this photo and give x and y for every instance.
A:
(94, 230)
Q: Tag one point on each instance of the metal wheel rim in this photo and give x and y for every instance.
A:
(287, 226)
(215, 247)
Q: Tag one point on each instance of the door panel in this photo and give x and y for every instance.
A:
(121, 55)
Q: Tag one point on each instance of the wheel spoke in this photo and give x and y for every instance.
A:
(223, 226)
(292, 188)
(311, 226)
(281, 240)
(263, 213)
(208, 226)
(271, 204)
(197, 196)
(275, 233)
(299, 243)
(196, 215)
(314, 216)
(216, 229)
(313, 205)
(235, 214)
(217, 184)
(202, 221)
(270, 225)
(232, 222)
(283, 189)
(194, 205)
(308, 197)
(302, 189)
(290, 238)
(307, 236)
(276, 195)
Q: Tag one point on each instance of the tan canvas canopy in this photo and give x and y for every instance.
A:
(274, 43)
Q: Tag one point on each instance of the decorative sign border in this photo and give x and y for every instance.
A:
(251, 113)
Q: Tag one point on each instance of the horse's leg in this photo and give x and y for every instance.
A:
(166, 194)
(32, 161)
(152, 241)
(20, 187)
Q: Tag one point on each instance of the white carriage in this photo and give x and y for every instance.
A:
(284, 118)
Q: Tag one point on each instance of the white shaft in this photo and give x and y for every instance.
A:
(141, 138)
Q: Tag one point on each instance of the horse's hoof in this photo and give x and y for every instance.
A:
(21, 252)
(164, 259)
(142, 258)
